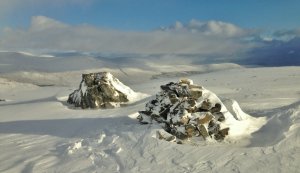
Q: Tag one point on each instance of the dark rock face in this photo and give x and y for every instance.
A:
(185, 111)
(99, 90)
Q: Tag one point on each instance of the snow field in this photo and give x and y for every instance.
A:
(39, 132)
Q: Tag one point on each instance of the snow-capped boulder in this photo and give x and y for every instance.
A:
(187, 110)
(101, 90)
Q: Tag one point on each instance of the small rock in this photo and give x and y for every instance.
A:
(165, 87)
(184, 120)
(219, 116)
(216, 108)
(207, 118)
(191, 102)
(203, 131)
(171, 139)
(173, 97)
(222, 134)
(213, 128)
(195, 93)
(159, 135)
(164, 112)
(190, 130)
(179, 142)
(205, 106)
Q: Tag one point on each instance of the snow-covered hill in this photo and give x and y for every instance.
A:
(61, 70)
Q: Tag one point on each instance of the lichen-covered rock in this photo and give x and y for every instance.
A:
(100, 90)
(186, 110)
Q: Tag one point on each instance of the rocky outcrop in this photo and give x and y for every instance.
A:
(100, 90)
(186, 110)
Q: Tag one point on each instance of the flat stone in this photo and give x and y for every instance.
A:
(207, 118)
(195, 93)
(203, 131)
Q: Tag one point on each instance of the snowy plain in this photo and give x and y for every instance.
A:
(40, 132)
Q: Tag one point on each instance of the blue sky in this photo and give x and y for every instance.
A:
(253, 31)
(145, 15)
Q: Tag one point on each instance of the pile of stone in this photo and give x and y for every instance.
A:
(100, 90)
(186, 110)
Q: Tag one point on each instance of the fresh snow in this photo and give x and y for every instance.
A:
(131, 95)
(40, 132)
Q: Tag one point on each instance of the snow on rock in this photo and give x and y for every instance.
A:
(186, 110)
(102, 90)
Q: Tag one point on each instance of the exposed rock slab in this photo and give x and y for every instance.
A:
(100, 90)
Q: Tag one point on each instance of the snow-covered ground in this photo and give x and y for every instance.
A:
(40, 132)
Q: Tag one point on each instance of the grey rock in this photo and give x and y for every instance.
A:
(97, 90)
(203, 131)
(195, 93)
(216, 108)
(205, 106)
(219, 116)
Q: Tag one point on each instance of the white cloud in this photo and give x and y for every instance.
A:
(46, 33)
(39, 23)
(208, 28)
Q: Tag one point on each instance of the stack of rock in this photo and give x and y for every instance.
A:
(100, 90)
(186, 110)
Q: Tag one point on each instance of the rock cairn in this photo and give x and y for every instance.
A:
(186, 110)
(100, 90)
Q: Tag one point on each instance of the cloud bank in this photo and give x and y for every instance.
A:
(210, 28)
(46, 33)
(211, 41)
